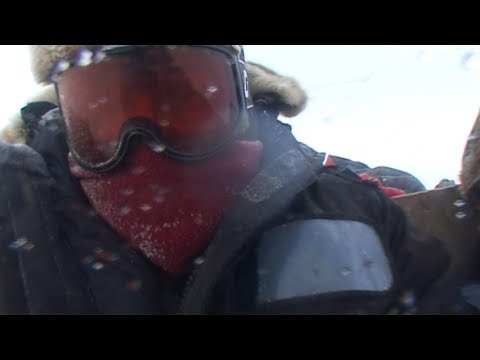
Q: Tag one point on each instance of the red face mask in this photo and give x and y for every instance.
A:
(167, 209)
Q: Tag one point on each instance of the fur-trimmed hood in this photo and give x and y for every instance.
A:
(266, 86)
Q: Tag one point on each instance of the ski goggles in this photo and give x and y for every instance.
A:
(189, 101)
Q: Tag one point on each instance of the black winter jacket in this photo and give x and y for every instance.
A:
(58, 257)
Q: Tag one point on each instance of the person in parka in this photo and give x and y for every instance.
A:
(158, 180)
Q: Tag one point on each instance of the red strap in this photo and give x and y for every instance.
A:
(390, 191)
(329, 162)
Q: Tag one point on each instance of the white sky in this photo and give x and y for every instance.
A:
(409, 107)
(17, 81)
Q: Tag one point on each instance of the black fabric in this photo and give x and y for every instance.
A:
(27, 195)
(355, 166)
(71, 261)
(417, 260)
(32, 113)
(388, 176)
